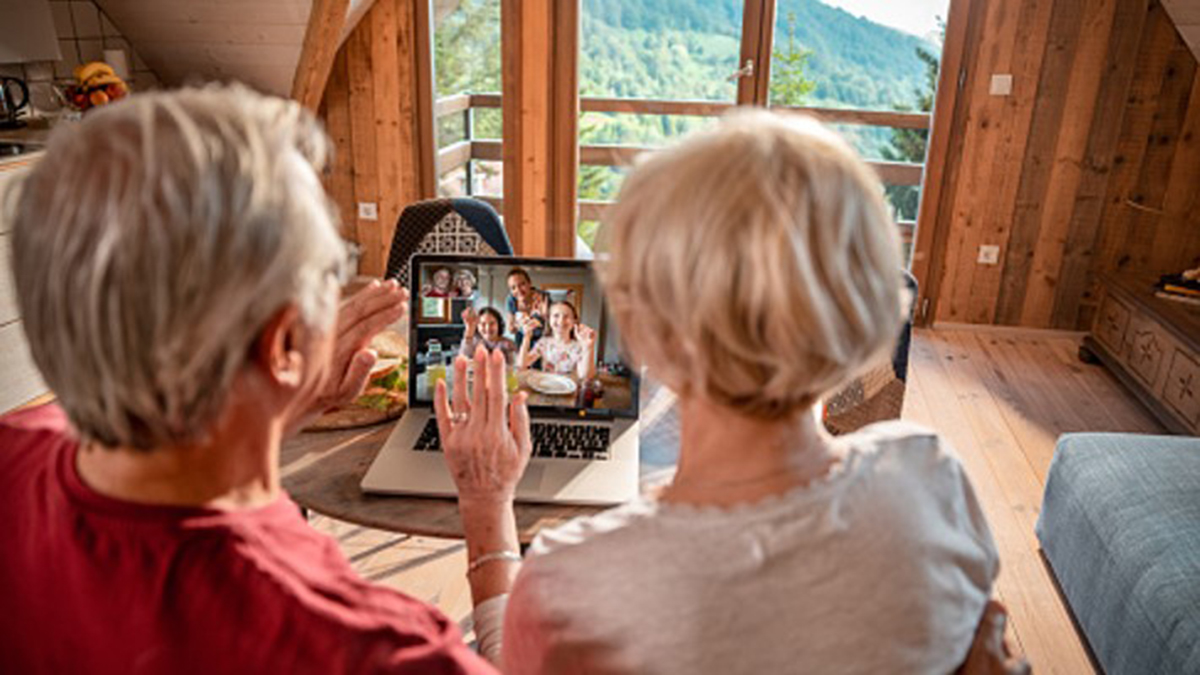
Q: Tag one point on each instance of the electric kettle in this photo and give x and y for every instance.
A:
(10, 105)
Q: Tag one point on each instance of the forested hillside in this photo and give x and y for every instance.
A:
(686, 49)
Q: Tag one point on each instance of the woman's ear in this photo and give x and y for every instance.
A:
(279, 352)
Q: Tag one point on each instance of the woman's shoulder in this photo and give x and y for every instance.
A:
(606, 531)
(897, 441)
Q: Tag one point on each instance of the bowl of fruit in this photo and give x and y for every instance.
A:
(97, 84)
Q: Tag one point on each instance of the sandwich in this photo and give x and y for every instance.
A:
(387, 386)
(385, 396)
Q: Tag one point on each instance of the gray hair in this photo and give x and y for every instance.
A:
(154, 242)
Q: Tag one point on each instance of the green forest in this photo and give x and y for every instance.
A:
(686, 49)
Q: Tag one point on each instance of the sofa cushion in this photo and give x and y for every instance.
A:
(1120, 527)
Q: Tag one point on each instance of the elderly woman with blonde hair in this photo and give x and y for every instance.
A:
(753, 269)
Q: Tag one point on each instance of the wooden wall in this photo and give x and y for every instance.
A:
(370, 109)
(1092, 165)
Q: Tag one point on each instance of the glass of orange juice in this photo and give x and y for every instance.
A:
(511, 382)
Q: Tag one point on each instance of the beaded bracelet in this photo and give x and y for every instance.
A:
(510, 556)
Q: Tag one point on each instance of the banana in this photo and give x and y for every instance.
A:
(89, 70)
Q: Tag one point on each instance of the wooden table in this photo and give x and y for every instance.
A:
(321, 470)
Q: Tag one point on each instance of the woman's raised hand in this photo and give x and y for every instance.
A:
(586, 334)
(486, 439)
(471, 318)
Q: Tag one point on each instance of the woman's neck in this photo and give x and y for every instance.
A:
(236, 467)
(728, 458)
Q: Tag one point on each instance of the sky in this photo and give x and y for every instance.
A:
(918, 17)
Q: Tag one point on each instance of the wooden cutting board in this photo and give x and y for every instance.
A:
(353, 417)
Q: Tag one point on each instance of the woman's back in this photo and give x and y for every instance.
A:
(885, 565)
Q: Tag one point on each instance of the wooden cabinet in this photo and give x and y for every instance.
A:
(20, 380)
(1153, 346)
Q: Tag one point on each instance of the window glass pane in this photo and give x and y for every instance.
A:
(667, 49)
(466, 43)
(683, 50)
(864, 55)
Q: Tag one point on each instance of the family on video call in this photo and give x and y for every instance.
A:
(539, 330)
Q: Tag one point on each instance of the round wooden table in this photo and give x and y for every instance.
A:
(321, 470)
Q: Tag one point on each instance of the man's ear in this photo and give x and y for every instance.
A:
(279, 349)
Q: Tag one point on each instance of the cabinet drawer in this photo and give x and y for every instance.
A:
(1182, 388)
(1111, 322)
(1148, 350)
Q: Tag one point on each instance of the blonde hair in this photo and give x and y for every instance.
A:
(153, 243)
(754, 264)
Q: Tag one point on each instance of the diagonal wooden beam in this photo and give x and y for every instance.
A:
(321, 40)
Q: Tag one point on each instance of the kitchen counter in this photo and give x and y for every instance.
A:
(37, 131)
(23, 135)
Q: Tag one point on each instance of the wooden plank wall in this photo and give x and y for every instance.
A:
(1092, 164)
(370, 111)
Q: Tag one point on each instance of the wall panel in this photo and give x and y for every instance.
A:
(370, 110)
(1090, 166)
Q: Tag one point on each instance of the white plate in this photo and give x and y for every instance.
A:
(552, 384)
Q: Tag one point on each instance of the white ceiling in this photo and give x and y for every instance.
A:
(253, 41)
(256, 42)
(1186, 15)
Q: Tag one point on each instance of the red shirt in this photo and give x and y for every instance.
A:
(90, 584)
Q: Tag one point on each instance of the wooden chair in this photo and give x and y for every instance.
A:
(459, 225)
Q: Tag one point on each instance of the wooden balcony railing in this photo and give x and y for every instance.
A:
(461, 154)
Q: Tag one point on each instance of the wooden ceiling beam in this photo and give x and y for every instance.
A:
(322, 37)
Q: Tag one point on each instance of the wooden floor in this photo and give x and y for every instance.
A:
(1001, 397)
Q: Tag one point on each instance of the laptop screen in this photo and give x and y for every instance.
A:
(547, 316)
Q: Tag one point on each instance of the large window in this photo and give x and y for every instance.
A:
(650, 72)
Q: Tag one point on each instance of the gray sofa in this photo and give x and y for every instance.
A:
(1120, 528)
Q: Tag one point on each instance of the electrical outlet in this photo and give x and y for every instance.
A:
(1001, 85)
(368, 211)
(989, 254)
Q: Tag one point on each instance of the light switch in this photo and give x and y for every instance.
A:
(368, 211)
(1001, 85)
(989, 254)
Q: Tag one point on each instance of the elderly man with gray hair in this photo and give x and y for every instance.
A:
(178, 269)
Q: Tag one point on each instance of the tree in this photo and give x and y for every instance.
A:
(909, 145)
(789, 86)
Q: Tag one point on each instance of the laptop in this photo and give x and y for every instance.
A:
(585, 431)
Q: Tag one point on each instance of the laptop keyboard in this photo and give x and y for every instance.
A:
(561, 441)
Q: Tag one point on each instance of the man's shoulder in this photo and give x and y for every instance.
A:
(300, 583)
(28, 438)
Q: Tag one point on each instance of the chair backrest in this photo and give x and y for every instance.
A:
(878, 393)
(460, 225)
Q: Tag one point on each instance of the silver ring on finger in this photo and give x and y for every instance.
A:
(458, 418)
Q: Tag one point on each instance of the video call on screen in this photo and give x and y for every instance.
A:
(571, 354)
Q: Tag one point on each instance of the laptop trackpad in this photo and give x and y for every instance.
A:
(532, 480)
